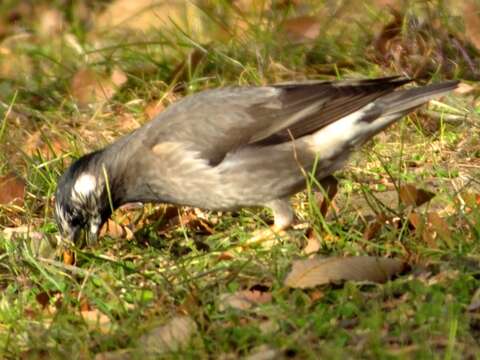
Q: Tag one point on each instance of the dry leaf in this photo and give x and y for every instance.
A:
(319, 271)
(263, 352)
(15, 65)
(268, 326)
(21, 231)
(388, 33)
(50, 22)
(471, 12)
(12, 189)
(90, 87)
(316, 295)
(372, 229)
(386, 3)
(468, 200)
(68, 257)
(153, 109)
(97, 320)
(302, 29)
(330, 186)
(192, 221)
(188, 66)
(84, 304)
(43, 298)
(439, 227)
(142, 15)
(225, 256)
(116, 231)
(464, 88)
(411, 196)
(244, 299)
(169, 337)
(122, 354)
(429, 238)
(36, 144)
(39, 244)
(313, 243)
(475, 302)
(417, 222)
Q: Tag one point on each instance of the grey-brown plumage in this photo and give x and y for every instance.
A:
(235, 147)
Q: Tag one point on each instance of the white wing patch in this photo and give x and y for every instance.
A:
(346, 130)
(85, 185)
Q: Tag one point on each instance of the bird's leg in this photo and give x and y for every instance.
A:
(283, 218)
(330, 188)
(282, 214)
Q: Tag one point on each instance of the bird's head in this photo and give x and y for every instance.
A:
(81, 201)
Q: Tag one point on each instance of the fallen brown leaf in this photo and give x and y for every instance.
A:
(14, 65)
(372, 229)
(244, 299)
(468, 200)
(302, 29)
(43, 298)
(417, 222)
(313, 243)
(388, 33)
(141, 15)
(437, 226)
(268, 326)
(122, 354)
(39, 243)
(471, 12)
(410, 195)
(116, 231)
(153, 109)
(475, 302)
(12, 189)
(97, 320)
(263, 352)
(319, 271)
(464, 88)
(225, 256)
(50, 22)
(190, 220)
(90, 87)
(68, 257)
(172, 336)
(35, 143)
(316, 295)
(330, 186)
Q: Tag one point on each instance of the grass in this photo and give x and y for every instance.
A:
(120, 289)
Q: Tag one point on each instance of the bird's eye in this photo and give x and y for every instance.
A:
(77, 220)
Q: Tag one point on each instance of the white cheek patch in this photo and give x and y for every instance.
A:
(95, 225)
(85, 185)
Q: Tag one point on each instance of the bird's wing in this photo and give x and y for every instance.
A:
(215, 122)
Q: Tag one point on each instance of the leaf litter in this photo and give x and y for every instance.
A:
(12, 189)
(245, 299)
(435, 224)
(320, 271)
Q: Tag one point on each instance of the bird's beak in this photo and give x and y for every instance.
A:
(67, 240)
(76, 236)
(91, 238)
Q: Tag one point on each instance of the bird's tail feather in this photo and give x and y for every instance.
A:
(398, 104)
(403, 101)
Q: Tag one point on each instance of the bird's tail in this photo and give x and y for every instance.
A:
(358, 127)
(399, 103)
(403, 101)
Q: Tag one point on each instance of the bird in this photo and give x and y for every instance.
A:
(234, 147)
